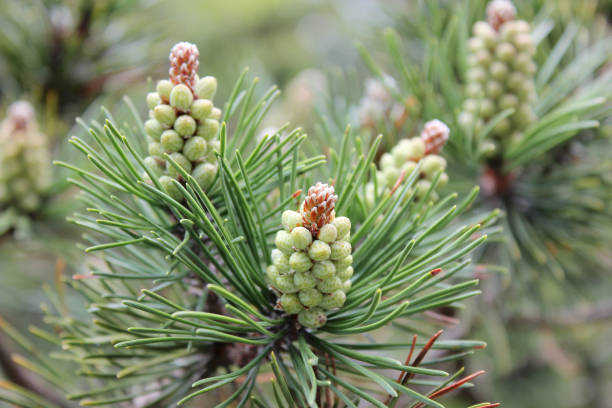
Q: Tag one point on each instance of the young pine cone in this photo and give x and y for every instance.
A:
(318, 207)
(184, 64)
(500, 12)
(434, 135)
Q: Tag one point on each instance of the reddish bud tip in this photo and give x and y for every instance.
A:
(184, 64)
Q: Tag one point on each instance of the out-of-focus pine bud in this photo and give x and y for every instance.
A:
(154, 166)
(155, 149)
(434, 135)
(345, 273)
(215, 114)
(184, 64)
(153, 128)
(500, 12)
(165, 115)
(153, 99)
(432, 164)
(170, 188)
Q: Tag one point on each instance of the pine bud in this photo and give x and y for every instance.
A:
(386, 161)
(310, 297)
(343, 262)
(323, 270)
(346, 285)
(333, 300)
(299, 261)
(291, 219)
(486, 33)
(509, 101)
(422, 188)
(153, 99)
(432, 164)
(304, 280)
(407, 168)
(171, 189)
(291, 303)
(318, 207)
(328, 233)
(499, 12)
(284, 242)
(204, 174)
(434, 136)
(208, 129)
(343, 226)
(164, 87)
(280, 260)
(181, 161)
(443, 180)
(195, 148)
(206, 87)
(272, 273)
(153, 128)
(201, 109)
(155, 149)
(215, 114)
(165, 115)
(152, 164)
(494, 89)
(499, 70)
(319, 251)
(185, 125)
(340, 249)
(170, 141)
(284, 283)
(184, 64)
(302, 238)
(312, 318)
(181, 97)
(505, 52)
(346, 273)
(329, 285)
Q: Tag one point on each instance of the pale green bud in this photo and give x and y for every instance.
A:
(508, 101)
(333, 300)
(304, 280)
(284, 242)
(422, 187)
(323, 270)
(164, 87)
(206, 87)
(476, 44)
(204, 174)
(329, 285)
(272, 273)
(171, 141)
(319, 251)
(474, 90)
(487, 108)
(524, 116)
(515, 81)
(291, 303)
(284, 283)
(312, 318)
(181, 97)
(471, 105)
(185, 125)
(494, 89)
(346, 285)
(302, 237)
(340, 249)
(181, 161)
(291, 219)
(431, 164)
(155, 149)
(152, 164)
(505, 52)
(328, 233)
(343, 226)
(344, 262)
(408, 167)
(483, 58)
(170, 188)
(310, 297)
(195, 148)
(417, 149)
(153, 99)
(346, 273)
(215, 114)
(153, 128)
(502, 127)
(208, 129)
(499, 70)
(485, 32)
(201, 109)
(299, 261)
(386, 160)
(280, 260)
(164, 114)
(443, 180)
(524, 43)
(391, 175)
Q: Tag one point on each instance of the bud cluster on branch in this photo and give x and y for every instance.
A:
(311, 264)
(24, 160)
(500, 74)
(183, 123)
(405, 156)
